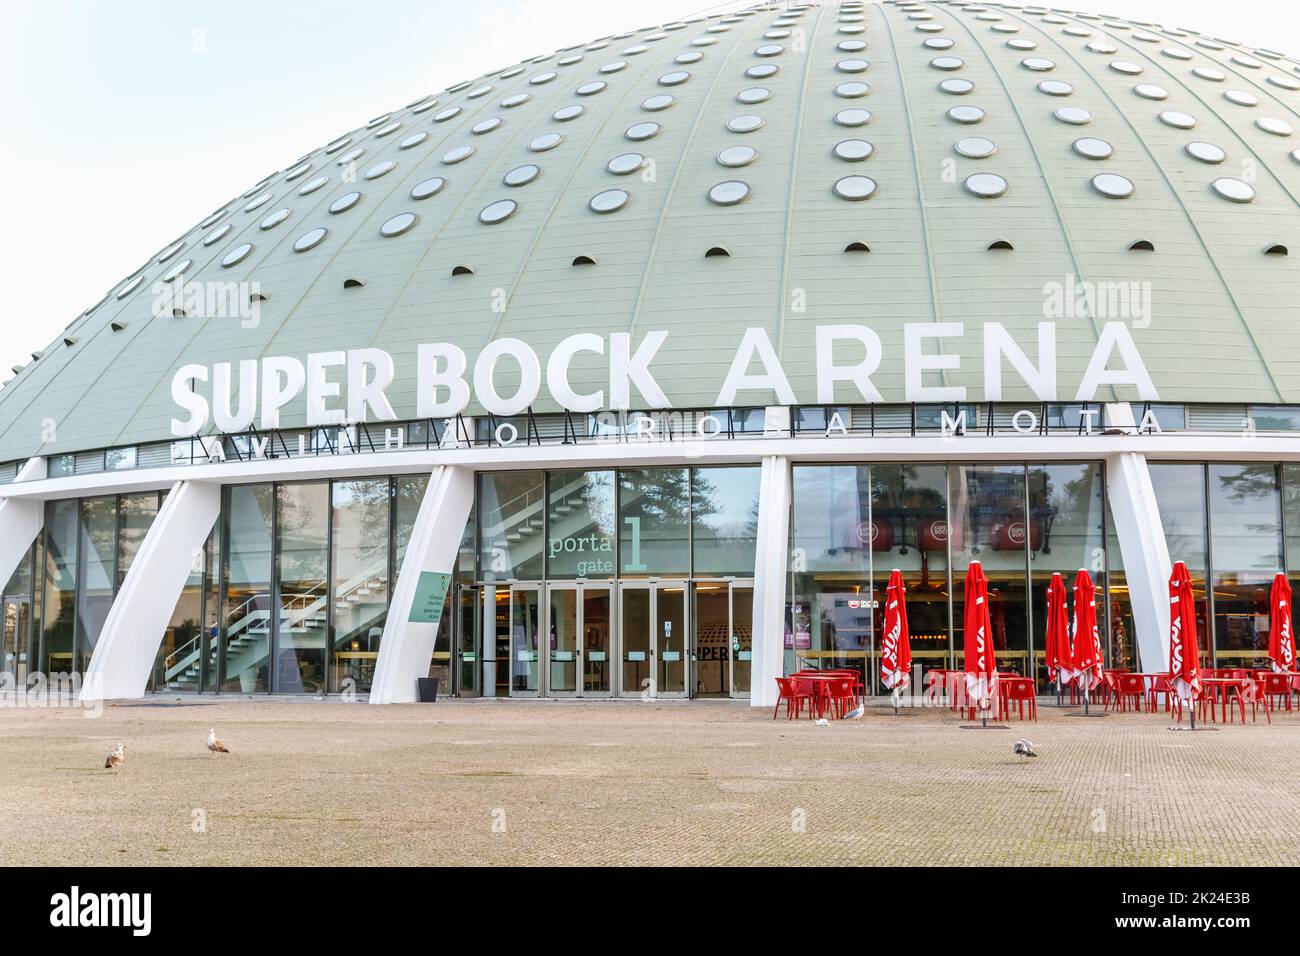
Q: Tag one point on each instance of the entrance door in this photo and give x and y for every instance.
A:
(742, 636)
(564, 647)
(597, 667)
(722, 616)
(469, 628)
(526, 623)
(13, 649)
(654, 639)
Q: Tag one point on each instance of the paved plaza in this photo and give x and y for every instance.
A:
(541, 782)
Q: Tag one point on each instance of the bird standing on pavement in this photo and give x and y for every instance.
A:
(116, 757)
(1024, 748)
(215, 743)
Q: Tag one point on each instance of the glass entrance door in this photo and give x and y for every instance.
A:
(526, 622)
(564, 650)
(722, 616)
(469, 628)
(654, 639)
(597, 665)
(742, 636)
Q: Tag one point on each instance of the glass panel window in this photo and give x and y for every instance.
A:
(96, 574)
(180, 662)
(302, 522)
(247, 618)
(58, 621)
(136, 514)
(1276, 418)
(512, 535)
(654, 521)
(16, 649)
(1180, 497)
(1065, 534)
(581, 524)
(724, 510)
(119, 459)
(989, 526)
(1246, 550)
(361, 580)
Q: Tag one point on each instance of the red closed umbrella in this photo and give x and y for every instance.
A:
(896, 647)
(1281, 639)
(1056, 652)
(1085, 660)
(1184, 655)
(981, 671)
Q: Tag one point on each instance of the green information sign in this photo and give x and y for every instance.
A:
(430, 597)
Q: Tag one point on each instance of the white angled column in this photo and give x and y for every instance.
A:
(770, 579)
(1145, 552)
(136, 623)
(406, 649)
(21, 520)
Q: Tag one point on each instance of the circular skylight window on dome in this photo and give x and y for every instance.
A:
(641, 131)
(1125, 67)
(755, 94)
(485, 126)
(938, 43)
(1275, 126)
(690, 56)
(476, 93)
(1177, 119)
(729, 193)
(851, 46)
(380, 169)
(1207, 73)
(398, 224)
(388, 130)
(1039, 64)
(1286, 82)
(345, 202)
(1295, 155)
(457, 155)
(704, 41)
(1022, 45)
(614, 67)
(1005, 28)
(297, 171)
(635, 50)
(592, 88)
(1149, 91)
(852, 91)
(1055, 88)
(1102, 46)
(412, 141)
(853, 117)
(776, 35)
(852, 66)
(216, 235)
(499, 211)
(956, 86)
(853, 150)
(236, 255)
(546, 141)
(446, 114)
(745, 124)
(1074, 115)
(522, 175)
(1077, 32)
(541, 78)
(428, 187)
(1233, 189)
(985, 185)
(947, 63)
(274, 219)
(179, 269)
(351, 156)
(1112, 186)
(966, 114)
(570, 112)
(925, 28)
(311, 185)
(660, 101)
(257, 203)
(734, 156)
(611, 200)
(625, 163)
(131, 286)
(1177, 53)
(171, 250)
(1089, 147)
(310, 239)
(518, 99)
(855, 188)
(338, 144)
(852, 28)
(675, 78)
(212, 218)
(1241, 97)
(976, 147)
(761, 71)
(1205, 152)
(769, 49)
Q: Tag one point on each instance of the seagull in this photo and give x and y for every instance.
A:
(1024, 748)
(215, 743)
(116, 757)
(856, 712)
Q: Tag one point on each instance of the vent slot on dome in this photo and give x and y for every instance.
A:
(179, 313)
(462, 270)
(1276, 250)
(258, 297)
(69, 341)
(583, 261)
(1142, 245)
(353, 283)
(117, 326)
(1000, 245)
(718, 252)
(857, 247)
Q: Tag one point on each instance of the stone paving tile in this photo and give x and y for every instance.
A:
(542, 782)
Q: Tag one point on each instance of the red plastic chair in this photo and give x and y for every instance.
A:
(1161, 684)
(1130, 687)
(794, 692)
(1274, 687)
(1018, 691)
(838, 695)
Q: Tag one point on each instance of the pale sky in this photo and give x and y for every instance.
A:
(125, 122)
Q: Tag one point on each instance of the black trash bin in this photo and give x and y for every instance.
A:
(426, 690)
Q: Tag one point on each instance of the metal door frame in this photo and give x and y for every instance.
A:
(731, 624)
(545, 662)
(459, 653)
(543, 637)
(653, 586)
(609, 586)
